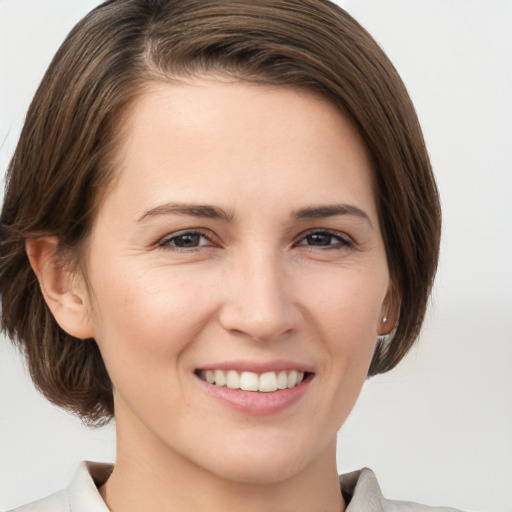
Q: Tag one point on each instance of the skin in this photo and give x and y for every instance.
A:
(260, 285)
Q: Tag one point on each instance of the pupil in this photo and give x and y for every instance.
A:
(187, 241)
(319, 239)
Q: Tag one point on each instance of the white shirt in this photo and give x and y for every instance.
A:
(360, 490)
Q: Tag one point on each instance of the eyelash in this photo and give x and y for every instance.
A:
(343, 240)
(167, 242)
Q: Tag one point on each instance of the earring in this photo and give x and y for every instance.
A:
(383, 339)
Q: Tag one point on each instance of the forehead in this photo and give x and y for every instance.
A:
(228, 141)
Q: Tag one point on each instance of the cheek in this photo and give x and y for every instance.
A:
(151, 315)
(348, 304)
(345, 312)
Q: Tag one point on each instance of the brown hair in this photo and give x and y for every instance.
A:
(61, 163)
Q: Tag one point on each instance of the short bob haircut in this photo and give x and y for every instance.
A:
(65, 155)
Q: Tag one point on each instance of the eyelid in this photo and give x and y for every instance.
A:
(165, 241)
(344, 238)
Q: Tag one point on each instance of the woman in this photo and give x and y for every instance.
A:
(232, 219)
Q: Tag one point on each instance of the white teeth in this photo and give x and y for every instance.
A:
(233, 380)
(282, 380)
(268, 382)
(249, 381)
(292, 379)
(220, 378)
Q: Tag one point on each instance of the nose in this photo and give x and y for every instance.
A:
(259, 299)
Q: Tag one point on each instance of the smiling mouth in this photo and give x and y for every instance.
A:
(267, 382)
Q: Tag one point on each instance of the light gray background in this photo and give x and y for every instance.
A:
(438, 429)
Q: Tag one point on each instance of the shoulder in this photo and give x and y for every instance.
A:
(362, 492)
(82, 494)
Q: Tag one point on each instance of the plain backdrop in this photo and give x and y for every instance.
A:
(438, 429)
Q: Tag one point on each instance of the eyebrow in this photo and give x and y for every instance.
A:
(206, 211)
(318, 212)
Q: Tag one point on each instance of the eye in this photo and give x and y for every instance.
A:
(326, 239)
(186, 240)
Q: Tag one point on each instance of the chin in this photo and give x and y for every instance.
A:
(262, 463)
(259, 472)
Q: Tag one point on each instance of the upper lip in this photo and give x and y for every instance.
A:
(259, 366)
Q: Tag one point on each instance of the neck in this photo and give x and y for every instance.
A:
(151, 478)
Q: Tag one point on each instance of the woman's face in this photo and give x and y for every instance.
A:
(239, 242)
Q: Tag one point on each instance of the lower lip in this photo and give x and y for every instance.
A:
(256, 402)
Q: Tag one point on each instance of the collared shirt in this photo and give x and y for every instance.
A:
(360, 490)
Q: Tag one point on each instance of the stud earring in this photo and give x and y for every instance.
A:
(383, 339)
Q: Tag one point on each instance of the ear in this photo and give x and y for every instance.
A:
(389, 312)
(64, 292)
